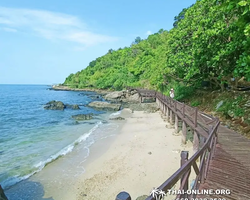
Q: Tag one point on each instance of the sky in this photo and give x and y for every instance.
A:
(42, 42)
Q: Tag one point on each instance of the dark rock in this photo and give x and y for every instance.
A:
(99, 105)
(81, 117)
(96, 97)
(54, 105)
(117, 118)
(2, 195)
(74, 107)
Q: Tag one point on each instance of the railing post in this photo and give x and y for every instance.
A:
(183, 111)
(196, 137)
(184, 159)
(171, 117)
(184, 132)
(195, 117)
(209, 153)
(167, 114)
(123, 196)
(176, 122)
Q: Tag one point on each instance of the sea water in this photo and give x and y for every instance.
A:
(32, 137)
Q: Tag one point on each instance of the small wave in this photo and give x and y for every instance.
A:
(116, 113)
(67, 149)
(39, 166)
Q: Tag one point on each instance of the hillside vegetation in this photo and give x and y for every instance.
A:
(210, 41)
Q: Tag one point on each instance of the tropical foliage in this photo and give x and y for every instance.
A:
(210, 41)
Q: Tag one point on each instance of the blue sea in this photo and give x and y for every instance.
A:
(32, 137)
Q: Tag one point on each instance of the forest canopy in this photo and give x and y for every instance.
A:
(210, 41)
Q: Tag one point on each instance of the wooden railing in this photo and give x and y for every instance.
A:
(204, 142)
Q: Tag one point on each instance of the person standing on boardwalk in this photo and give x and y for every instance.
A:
(172, 93)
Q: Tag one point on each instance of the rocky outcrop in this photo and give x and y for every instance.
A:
(117, 118)
(2, 195)
(81, 117)
(114, 96)
(99, 105)
(58, 105)
(123, 96)
(74, 106)
(133, 98)
(54, 105)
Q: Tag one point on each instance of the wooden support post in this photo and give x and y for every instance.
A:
(184, 159)
(183, 110)
(184, 133)
(171, 117)
(195, 117)
(195, 142)
(176, 121)
(167, 114)
(203, 163)
(123, 196)
(202, 141)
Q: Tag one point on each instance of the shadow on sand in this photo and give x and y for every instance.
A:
(26, 190)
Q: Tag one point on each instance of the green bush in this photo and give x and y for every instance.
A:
(181, 91)
(232, 105)
(195, 103)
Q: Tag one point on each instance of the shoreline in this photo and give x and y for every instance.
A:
(142, 156)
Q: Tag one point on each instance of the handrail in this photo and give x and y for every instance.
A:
(203, 125)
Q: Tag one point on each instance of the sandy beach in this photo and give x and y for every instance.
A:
(142, 156)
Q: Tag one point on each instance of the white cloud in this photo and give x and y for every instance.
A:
(148, 33)
(9, 29)
(50, 25)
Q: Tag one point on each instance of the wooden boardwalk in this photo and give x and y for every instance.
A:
(224, 154)
(230, 167)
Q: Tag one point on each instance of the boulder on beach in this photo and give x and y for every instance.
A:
(135, 98)
(129, 96)
(81, 117)
(117, 118)
(54, 105)
(99, 105)
(115, 95)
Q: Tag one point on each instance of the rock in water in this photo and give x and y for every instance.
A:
(54, 105)
(2, 195)
(99, 105)
(117, 118)
(74, 107)
(82, 117)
